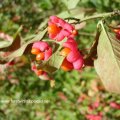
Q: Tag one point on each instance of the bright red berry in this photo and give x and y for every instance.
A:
(39, 72)
(118, 36)
(40, 56)
(65, 51)
(66, 65)
(11, 63)
(35, 51)
(58, 29)
(53, 29)
(117, 31)
(75, 32)
(42, 50)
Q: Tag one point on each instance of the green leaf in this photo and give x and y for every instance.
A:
(5, 43)
(76, 13)
(19, 52)
(107, 64)
(53, 63)
(18, 31)
(43, 24)
(13, 44)
(70, 4)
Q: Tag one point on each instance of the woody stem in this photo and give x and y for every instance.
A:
(103, 15)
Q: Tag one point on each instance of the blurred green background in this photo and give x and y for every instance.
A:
(75, 93)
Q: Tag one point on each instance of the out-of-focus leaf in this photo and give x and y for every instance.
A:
(18, 31)
(5, 40)
(77, 13)
(43, 24)
(4, 43)
(16, 41)
(46, 4)
(22, 49)
(107, 64)
(11, 43)
(70, 4)
(2, 68)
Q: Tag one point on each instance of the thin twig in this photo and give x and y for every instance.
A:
(104, 15)
(87, 34)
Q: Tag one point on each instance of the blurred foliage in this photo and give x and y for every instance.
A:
(74, 91)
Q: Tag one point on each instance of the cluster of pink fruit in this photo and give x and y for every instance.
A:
(58, 29)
